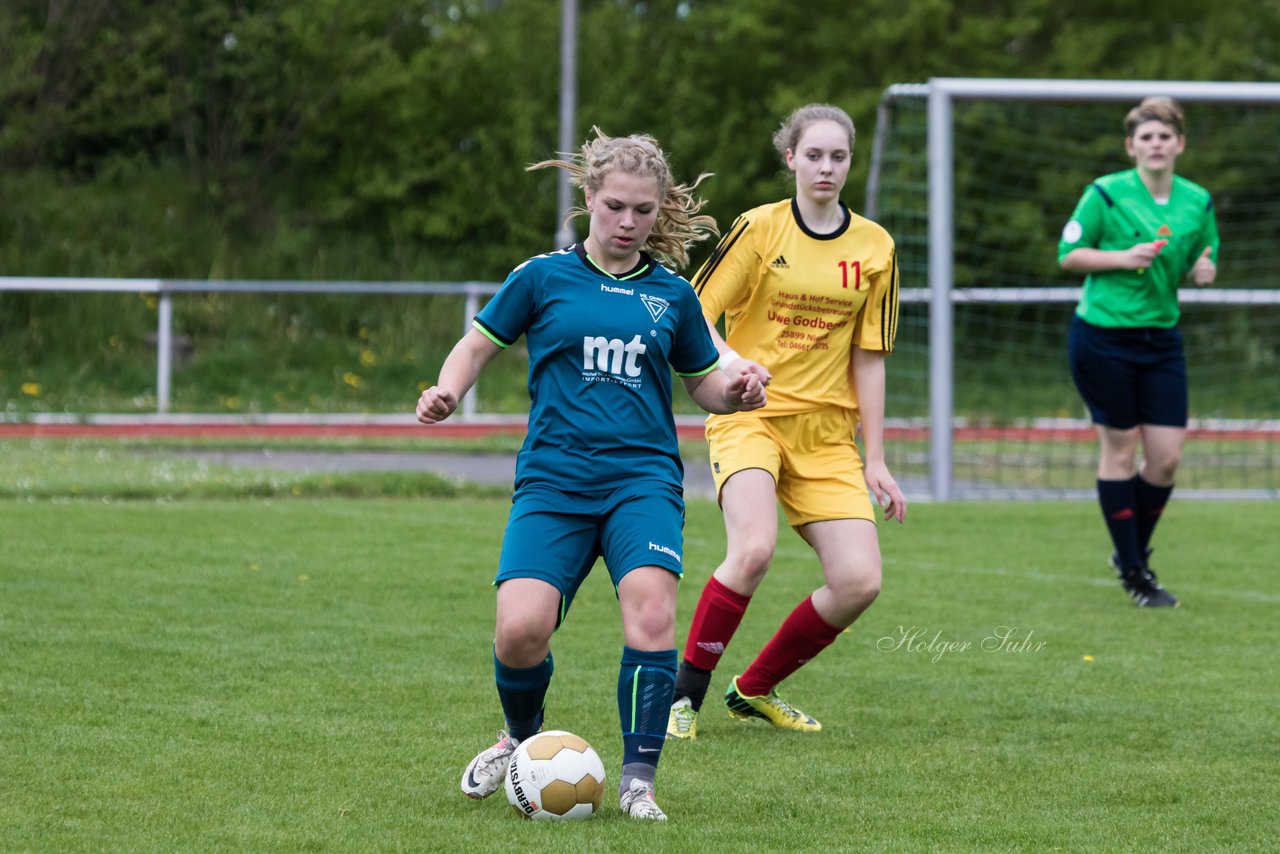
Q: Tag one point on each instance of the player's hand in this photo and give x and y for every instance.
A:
(1140, 255)
(745, 393)
(740, 366)
(436, 404)
(886, 491)
(1204, 271)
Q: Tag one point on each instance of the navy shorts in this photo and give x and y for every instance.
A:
(1129, 377)
(556, 536)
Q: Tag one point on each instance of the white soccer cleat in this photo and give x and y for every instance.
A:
(486, 773)
(638, 802)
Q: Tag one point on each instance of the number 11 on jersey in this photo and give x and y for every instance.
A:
(851, 270)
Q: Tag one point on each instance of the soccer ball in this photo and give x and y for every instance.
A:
(555, 775)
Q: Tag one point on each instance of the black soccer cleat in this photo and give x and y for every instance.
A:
(1141, 585)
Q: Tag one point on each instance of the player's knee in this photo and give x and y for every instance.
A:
(1162, 467)
(656, 626)
(522, 636)
(650, 624)
(856, 586)
(749, 559)
(864, 591)
(1116, 459)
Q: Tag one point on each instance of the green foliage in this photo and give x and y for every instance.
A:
(409, 124)
(387, 140)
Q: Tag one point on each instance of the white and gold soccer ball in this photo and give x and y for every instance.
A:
(555, 775)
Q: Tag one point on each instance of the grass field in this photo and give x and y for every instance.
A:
(75, 470)
(312, 674)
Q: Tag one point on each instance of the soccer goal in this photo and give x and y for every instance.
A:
(975, 179)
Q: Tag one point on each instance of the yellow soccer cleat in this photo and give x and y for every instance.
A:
(769, 707)
(683, 721)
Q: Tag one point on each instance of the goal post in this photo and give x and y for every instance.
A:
(974, 178)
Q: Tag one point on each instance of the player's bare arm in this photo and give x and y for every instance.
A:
(1089, 260)
(715, 392)
(1204, 271)
(741, 366)
(868, 378)
(458, 374)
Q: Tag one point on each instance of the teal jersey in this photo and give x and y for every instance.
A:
(1115, 213)
(601, 352)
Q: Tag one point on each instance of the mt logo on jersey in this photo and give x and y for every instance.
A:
(612, 355)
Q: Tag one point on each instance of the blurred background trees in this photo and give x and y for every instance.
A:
(387, 139)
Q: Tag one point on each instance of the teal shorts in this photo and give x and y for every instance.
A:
(556, 536)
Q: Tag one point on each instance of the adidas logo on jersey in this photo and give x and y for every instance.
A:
(780, 263)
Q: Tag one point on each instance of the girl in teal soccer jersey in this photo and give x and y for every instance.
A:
(600, 473)
(1137, 235)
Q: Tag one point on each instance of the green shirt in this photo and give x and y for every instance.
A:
(1115, 213)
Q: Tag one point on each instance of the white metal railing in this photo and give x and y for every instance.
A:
(475, 291)
(166, 288)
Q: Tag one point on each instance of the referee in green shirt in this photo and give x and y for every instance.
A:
(1136, 235)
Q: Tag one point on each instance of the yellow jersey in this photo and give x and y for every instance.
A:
(799, 302)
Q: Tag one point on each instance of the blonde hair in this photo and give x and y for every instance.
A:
(678, 224)
(787, 136)
(1159, 109)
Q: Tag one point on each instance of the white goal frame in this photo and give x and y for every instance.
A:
(941, 93)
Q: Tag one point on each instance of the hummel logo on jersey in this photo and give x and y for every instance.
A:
(716, 648)
(657, 306)
(780, 263)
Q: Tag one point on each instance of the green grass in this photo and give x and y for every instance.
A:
(494, 443)
(279, 674)
(31, 470)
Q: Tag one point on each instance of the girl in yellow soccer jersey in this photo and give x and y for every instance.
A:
(809, 292)
(1137, 235)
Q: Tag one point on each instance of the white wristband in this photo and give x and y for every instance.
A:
(726, 357)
